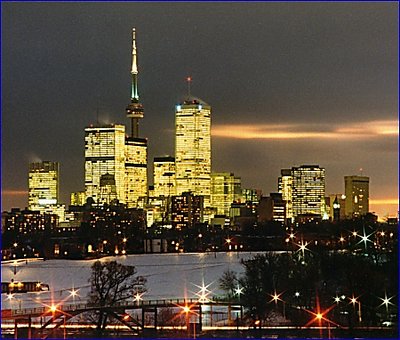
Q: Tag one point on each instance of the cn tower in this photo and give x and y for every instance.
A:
(134, 110)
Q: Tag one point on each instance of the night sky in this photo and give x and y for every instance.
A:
(289, 84)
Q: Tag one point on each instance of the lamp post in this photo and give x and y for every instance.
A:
(354, 301)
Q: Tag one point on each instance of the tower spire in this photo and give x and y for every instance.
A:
(134, 69)
(134, 110)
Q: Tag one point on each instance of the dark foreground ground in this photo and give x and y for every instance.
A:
(372, 333)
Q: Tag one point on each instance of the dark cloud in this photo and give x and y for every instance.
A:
(253, 62)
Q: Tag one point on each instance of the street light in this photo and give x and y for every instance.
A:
(354, 300)
(186, 310)
(239, 291)
(138, 297)
(228, 240)
(11, 297)
(277, 297)
(72, 293)
(386, 302)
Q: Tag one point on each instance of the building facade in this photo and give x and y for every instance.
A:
(164, 176)
(304, 190)
(285, 185)
(357, 196)
(193, 148)
(43, 184)
(272, 208)
(308, 192)
(135, 170)
(226, 188)
(78, 198)
(104, 155)
(186, 210)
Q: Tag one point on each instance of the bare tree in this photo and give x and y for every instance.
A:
(112, 283)
(228, 282)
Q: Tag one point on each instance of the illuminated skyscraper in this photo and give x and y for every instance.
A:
(225, 189)
(43, 184)
(43, 189)
(164, 176)
(285, 185)
(193, 148)
(357, 196)
(308, 191)
(104, 155)
(135, 170)
(135, 147)
(303, 189)
(78, 198)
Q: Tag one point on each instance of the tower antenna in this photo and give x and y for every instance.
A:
(189, 81)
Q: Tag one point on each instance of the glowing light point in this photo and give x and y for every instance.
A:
(238, 290)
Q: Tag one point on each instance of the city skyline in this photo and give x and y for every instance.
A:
(278, 105)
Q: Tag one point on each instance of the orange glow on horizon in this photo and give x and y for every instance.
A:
(384, 201)
(11, 192)
(357, 130)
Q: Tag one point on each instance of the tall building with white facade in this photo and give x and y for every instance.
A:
(285, 185)
(193, 148)
(308, 192)
(43, 184)
(226, 188)
(135, 170)
(357, 196)
(164, 176)
(303, 188)
(104, 155)
(43, 189)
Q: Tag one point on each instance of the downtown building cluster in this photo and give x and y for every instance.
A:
(116, 170)
(185, 191)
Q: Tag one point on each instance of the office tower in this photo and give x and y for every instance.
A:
(135, 170)
(303, 189)
(193, 148)
(308, 190)
(251, 197)
(43, 189)
(186, 210)
(104, 155)
(134, 110)
(108, 189)
(43, 184)
(78, 198)
(135, 147)
(272, 208)
(164, 176)
(285, 184)
(225, 189)
(357, 196)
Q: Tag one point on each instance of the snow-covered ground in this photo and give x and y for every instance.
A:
(168, 275)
